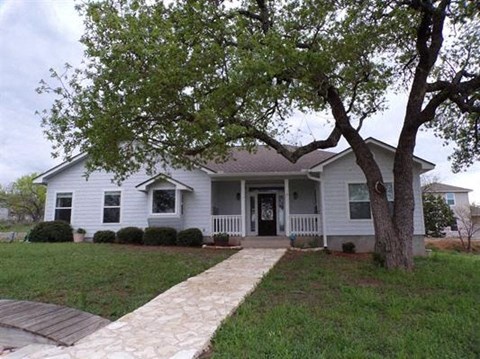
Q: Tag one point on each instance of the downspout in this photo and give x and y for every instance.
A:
(322, 204)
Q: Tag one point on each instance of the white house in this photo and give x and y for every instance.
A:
(456, 198)
(256, 195)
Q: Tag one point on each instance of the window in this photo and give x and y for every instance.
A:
(450, 198)
(111, 207)
(163, 201)
(359, 200)
(63, 207)
(454, 225)
(389, 187)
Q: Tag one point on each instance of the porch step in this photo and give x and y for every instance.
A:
(265, 242)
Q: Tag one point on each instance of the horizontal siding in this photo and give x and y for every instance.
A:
(225, 197)
(305, 202)
(173, 222)
(88, 198)
(336, 177)
(418, 220)
(197, 205)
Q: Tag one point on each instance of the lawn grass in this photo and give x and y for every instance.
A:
(314, 305)
(105, 279)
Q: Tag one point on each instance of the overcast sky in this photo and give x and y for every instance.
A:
(36, 35)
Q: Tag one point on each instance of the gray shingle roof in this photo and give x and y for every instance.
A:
(265, 160)
(437, 187)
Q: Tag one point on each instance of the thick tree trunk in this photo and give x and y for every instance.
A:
(404, 205)
(393, 244)
(393, 234)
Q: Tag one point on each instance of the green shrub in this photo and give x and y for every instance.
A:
(191, 237)
(160, 236)
(221, 239)
(53, 231)
(378, 259)
(104, 237)
(348, 247)
(130, 235)
(81, 231)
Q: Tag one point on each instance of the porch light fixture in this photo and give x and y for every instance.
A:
(295, 195)
(238, 196)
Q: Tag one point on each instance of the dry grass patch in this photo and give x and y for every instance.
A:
(450, 244)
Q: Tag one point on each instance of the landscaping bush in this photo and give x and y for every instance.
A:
(160, 236)
(53, 231)
(191, 237)
(348, 247)
(104, 237)
(130, 235)
(221, 239)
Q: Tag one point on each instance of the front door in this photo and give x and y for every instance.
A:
(267, 215)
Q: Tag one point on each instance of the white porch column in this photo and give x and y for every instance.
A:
(322, 211)
(287, 207)
(243, 206)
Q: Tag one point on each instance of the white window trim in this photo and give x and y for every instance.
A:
(71, 208)
(347, 191)
(454, 199)
(178, 203)
(348, 202)
(103, 206)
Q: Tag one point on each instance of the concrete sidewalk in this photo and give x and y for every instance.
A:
(180, 322)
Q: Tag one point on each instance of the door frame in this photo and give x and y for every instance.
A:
(248, 206)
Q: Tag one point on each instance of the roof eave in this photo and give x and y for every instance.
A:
(43, 177)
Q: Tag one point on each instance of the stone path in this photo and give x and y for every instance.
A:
(180, 322)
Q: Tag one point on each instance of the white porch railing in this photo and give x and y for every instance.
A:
(231, 224)
(305, 224)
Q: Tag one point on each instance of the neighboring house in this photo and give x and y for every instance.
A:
(251, 195)
(476, 214)
(456, 198)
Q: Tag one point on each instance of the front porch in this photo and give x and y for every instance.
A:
(266, 208)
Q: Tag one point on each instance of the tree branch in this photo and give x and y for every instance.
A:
(250, 15)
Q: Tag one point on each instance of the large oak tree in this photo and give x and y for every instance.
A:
(190, 78)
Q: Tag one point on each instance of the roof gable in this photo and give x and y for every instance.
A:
(43, 177)
(426, 165)
(438, 187)
(162, 177)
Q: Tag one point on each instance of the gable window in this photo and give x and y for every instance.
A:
(111, 206)
(63, 206)
(450, 198)
(163, 201)
(359, 200)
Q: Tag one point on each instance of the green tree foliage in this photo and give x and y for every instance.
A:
(437, 214)
(24, 199)
(168, 81)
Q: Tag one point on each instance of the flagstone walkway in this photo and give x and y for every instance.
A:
(180, 322)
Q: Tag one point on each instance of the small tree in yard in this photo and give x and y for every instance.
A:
(437, 214)
(24, 199)
(171, 80)
(467, 227)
